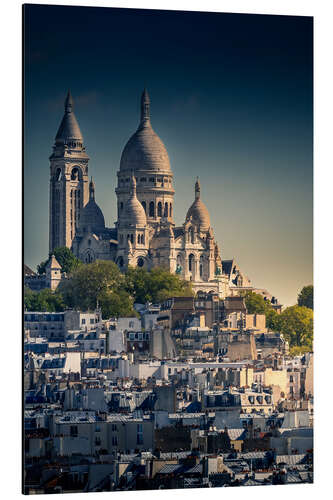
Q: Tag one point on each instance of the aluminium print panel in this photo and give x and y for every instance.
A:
(168, 278)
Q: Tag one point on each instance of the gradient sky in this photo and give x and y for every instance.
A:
(231, 98)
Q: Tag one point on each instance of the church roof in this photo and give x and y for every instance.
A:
(53, 263)
(178, 231)
(145, 150)
(134, 213)
(28, 271)
(69, 127)
(198, 211)
(92, 217)
(227, 266)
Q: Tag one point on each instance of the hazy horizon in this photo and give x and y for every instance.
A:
(231, 98)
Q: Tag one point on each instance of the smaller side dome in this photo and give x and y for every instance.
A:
(134, 213)
(92, 218)
(198, 211)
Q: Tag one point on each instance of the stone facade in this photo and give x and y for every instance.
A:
(145, 234)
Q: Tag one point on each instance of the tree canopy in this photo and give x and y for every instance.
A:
(295, 322)
(256, 304)
(97, 284)
(66, 259)
(155, 285)
(45, 300)
(296, 325)
(305, 297)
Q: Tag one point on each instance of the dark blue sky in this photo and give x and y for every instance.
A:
(231, 99)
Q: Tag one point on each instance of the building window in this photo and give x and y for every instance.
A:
(166, 210)
(143, 203)
(139, 435)
(151, 209)
(114, 427)
(159, 209)
(74, 431)
(121, 205)
(191, 262)
(75, 174)
(201, 266)
(58, 174)
(170, 210)
(114, 440)
(141, 262)
(83, 321)
(132, 238)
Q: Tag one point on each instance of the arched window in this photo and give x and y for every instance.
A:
(151, 209)
(159, 209)
(139, 238)
(191, 235)
(143, 203)
(58, 174)
(89, 257)
(201, 266)
(191, 262)
(75, 174)
(143, 239)
(170, 210)
(166, 210)
(132, 238)
(141, 262)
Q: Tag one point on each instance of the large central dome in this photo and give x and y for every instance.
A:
(145, 150)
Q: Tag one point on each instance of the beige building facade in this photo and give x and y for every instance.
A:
(145, 234)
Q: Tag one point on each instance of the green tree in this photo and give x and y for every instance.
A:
(296, 325)
(299, 350)
(256, 304)
(305, 297)
(66, 259)
(45, 300)
(273, 319)
(99, 283)
(117, 303)
(155, 285)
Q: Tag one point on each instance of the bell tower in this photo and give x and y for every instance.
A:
(69, 183)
